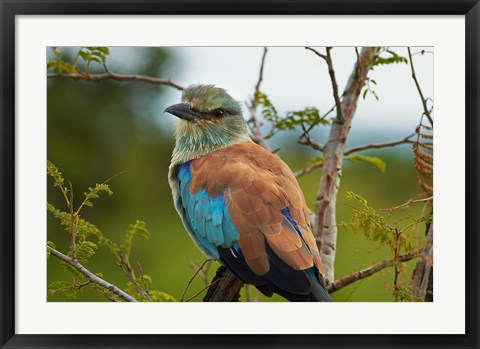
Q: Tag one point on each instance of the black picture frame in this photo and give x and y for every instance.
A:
(9, 9)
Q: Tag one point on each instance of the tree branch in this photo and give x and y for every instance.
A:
(333, 79)
(326, 226)
(200, 268)
(349, 279)
(227, 289)
(314, 144)
(411, 201)
(117, 77)
(421, 283)
(424, 101)
(252, 108)
(379, 145)
(308, 169)
(91, 276)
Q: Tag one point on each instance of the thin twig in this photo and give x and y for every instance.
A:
(145, 284)
(411, 201)
(308, 169)
(193, 277)
(349, 279)
(73, 231)
(379, 145)
(117, 77)
(317, 53)
(91, 276)
(307, 131)
(128, 270)
(252, 108)
(333, 79)
(203, 289)
(314, 144)
(424, 101)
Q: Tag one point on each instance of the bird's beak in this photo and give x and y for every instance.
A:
(183, 111)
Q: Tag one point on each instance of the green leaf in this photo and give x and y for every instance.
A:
(377, 162)
(368, 221)
(389, 57)
(158, 296)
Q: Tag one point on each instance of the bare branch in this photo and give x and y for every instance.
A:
(349, 279)
(203, 289)
(91, 276)
(379, 145)
(193, 277)
(252, 108)
(126, 267)
(317, 53)
(308, 169)
(424, 101)
(117, 77)
(314, 144)
(333, 79)
(411, 201)
(73, 227)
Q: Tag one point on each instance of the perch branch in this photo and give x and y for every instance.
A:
(91, 276)
(227, 289)
(379, 145)
(117, 77)
(349, 279)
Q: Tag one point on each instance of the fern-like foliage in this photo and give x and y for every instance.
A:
(423, 155)
(309, 116)
(85, 239)
(85, 54)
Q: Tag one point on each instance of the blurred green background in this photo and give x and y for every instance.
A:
(97, 130)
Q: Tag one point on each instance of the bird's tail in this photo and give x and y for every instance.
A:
(319, 291)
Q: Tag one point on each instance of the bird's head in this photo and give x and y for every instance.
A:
(209, 119)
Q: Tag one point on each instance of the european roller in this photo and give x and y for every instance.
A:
(241, 204)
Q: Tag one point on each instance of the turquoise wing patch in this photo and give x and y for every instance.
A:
(207, 217)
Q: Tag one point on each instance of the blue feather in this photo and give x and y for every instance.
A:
(207, 216)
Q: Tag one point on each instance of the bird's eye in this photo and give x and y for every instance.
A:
(219, 112)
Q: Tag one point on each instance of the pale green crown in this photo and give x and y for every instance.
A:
(208, 97)
(195, 139)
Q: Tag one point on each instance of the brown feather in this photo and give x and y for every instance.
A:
(257, 185)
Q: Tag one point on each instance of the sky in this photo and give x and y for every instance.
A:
(295, 78)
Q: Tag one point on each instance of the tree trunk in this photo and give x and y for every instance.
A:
(421, 284)
(333, 154)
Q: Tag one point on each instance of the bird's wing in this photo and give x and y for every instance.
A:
(264, 203)
(205, 217)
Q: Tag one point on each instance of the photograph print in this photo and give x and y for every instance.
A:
(240, 174)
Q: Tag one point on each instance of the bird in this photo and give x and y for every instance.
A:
(240, 203)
